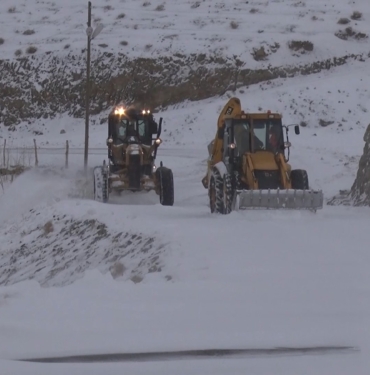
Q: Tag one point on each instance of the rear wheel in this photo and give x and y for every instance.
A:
(299, 178)
(228, 194)
(166, 186)
(215, 192)
(101, 191)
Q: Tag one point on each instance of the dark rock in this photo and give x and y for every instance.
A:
(360, 190)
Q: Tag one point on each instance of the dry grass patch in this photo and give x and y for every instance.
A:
(31, 50)
(344, 21)
(349, 33)
(299, 45)
(356, 15)
(28, 32)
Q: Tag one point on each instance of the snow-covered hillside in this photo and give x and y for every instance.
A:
(156, 28)
(82, 277)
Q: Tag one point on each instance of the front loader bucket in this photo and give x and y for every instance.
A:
(289, 199)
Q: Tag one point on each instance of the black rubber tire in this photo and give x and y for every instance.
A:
(299, 178)
(166, 186)
(215, 192)
(101, 190)
(228, 194)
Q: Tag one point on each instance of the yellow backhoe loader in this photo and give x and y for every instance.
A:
(247, 166)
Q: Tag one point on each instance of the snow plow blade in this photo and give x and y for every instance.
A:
(280, 199)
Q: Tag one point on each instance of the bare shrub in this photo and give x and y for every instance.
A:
(254, 10)
(67, 46)
(48, 228)
(148, 47)
(171, 36)
(199, 22)
(2, 41)
(325, 123)
(343, 21)
(120, 16)
(349, 33)
(159, 8)
(290, 28)
(274, 47)
(259, 54)
(234, 25)
(117, 270)
(103, 45)
(28, 32)
(195, 5)
(314, 18)
(356, 15)
(18, 52)
(31, 50)
(124, 43)
(107, 7)
(297, 45)
(12, 10)
(146, 3)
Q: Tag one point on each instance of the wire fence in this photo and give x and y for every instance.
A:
(16, 160)
(11, 156)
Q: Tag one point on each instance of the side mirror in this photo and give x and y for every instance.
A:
(296, 129)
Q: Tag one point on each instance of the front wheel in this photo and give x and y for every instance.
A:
(101, 189)
(228, 194)
(221, 193)
(299, 178)
(166, 186)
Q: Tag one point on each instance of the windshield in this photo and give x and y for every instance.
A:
(131, 128)
(268, 134)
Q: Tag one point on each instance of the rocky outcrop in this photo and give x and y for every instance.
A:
(360, 191)
(44, 86)
(359, 195)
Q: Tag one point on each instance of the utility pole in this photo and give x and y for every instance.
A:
(89, 32)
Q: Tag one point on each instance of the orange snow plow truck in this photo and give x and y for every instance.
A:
(248, 168)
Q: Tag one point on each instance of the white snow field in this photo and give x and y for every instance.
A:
(190, 280)
(157, 28)
(252, 279)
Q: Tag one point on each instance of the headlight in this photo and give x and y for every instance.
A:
(158, 141)
(119, 111)
(232, 145)
(287, 144)
(109, 140)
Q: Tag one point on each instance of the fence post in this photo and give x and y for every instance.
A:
(4, 159)
(67, 151)
(36, 159)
